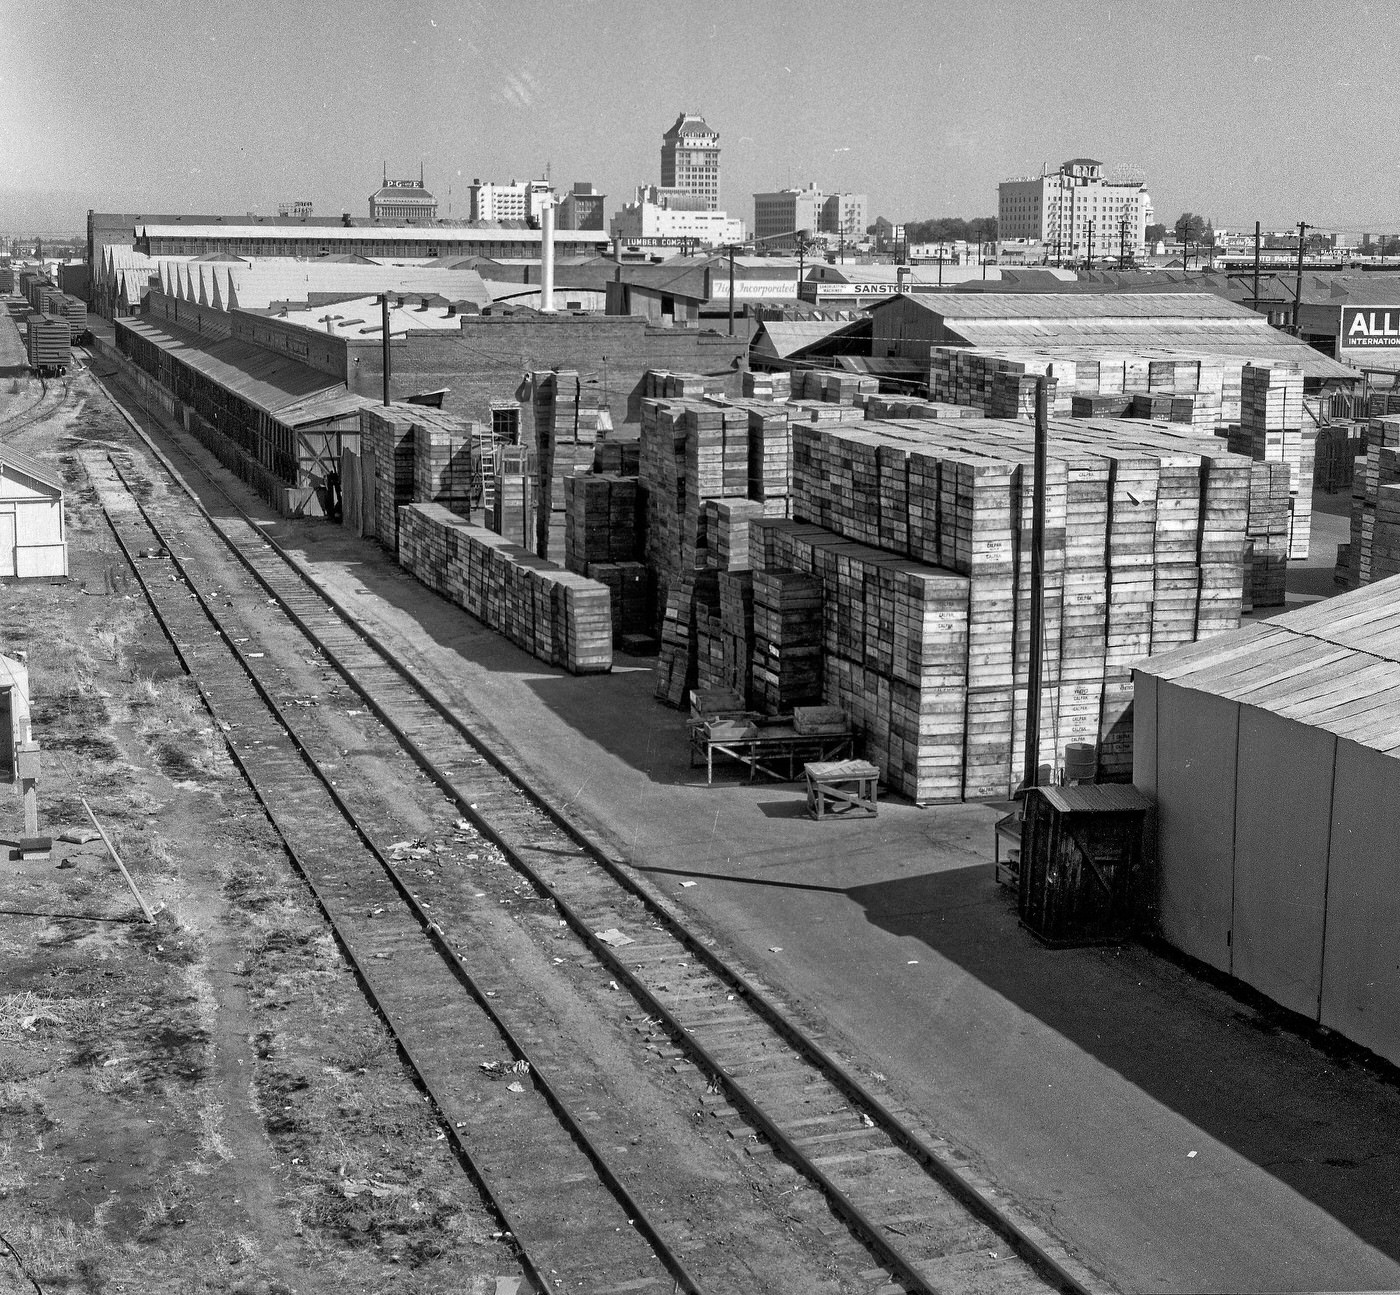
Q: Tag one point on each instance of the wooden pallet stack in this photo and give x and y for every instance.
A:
(512, 509)
(770, 453)
(558, 616)
(787, 640)
(617, 456)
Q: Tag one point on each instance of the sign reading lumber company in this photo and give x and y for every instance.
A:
(1370, 326)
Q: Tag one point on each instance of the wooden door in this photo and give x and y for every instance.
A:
(7, 544)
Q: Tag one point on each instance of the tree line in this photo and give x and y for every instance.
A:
(941, 229)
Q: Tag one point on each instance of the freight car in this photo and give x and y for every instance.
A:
(48, 345)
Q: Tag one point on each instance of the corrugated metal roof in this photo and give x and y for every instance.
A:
(1252, 338)
(254, 285)
(14, 460)
(1333, 665)
(784, 336)
(955, 307)
(293, 393)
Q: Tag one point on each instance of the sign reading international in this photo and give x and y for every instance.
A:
(1370, 327)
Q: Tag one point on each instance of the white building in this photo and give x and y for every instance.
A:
(779, 214)
(1076, 212)
(650, 224)
(518, 200)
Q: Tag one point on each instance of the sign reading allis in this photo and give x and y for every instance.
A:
(1370, 326)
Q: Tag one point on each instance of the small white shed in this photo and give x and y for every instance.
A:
(33, 537)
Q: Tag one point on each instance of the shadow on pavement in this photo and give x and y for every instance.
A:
(1318, 1123)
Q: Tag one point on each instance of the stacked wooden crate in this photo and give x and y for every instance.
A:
(512, 508)
(1266, 555)
(736, 631)
(894, 640)
(767, 386)
(618, 456)
(787, 640)
(770, 453)
(566, 428)
(1379, 469)
(1385, 536)
(1271, 430)
(600, 519)
(558, 616)
(387, 437)
(1144, 548)
(629, 590)
(442, 459)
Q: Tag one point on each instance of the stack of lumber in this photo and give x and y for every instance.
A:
(558, 616)
(1271, 431)
(442, 459)
(600, 519)
(1145, 541)
(1379, 469)
(787, 640)
(567, 420)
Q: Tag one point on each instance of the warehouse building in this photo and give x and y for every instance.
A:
(1273, 754)
(373, 241)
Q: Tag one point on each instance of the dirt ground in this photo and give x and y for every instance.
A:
(208, 1103)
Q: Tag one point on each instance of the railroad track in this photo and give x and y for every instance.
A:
(52, 393)
(925, 1218)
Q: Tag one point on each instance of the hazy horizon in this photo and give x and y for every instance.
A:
(193, 107)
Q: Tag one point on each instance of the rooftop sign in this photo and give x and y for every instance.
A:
(1370, 327)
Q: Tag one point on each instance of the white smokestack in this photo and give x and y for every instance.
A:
(547, 254)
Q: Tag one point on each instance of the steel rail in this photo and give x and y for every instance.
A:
(683, 1280)
(1029, 1242)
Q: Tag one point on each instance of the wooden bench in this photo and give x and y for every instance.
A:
(841, 787)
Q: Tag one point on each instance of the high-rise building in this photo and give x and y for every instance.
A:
(403, 202)
(1067, 208)
(582, 208)
(299, 207)
(690, 159)
(778, 215)
(518, 200)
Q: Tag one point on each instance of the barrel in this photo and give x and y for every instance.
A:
(1081, 761)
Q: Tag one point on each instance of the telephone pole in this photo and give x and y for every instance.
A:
(1089, 264)
(1123, 243)
(1298, 287)
(1256, 265)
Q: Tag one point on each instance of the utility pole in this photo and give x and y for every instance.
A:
(1298, 288)
(384, 321)
(1123, 243)
(1090, 262)
(940, 265)
(1256, 265)
(1042, 436)
(731, 290)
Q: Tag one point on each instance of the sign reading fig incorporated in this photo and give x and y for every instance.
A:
(1370, 326)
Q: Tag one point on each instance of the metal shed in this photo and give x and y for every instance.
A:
(33, 537)
(1273, 754)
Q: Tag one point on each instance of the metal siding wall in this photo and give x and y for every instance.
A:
(1195, 820)
(1361, 969)
(1283, 811)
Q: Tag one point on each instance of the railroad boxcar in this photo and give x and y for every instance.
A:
(74, 310)
(48, 344)
(7, 280)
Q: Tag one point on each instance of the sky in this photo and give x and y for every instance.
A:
(1246, 111)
